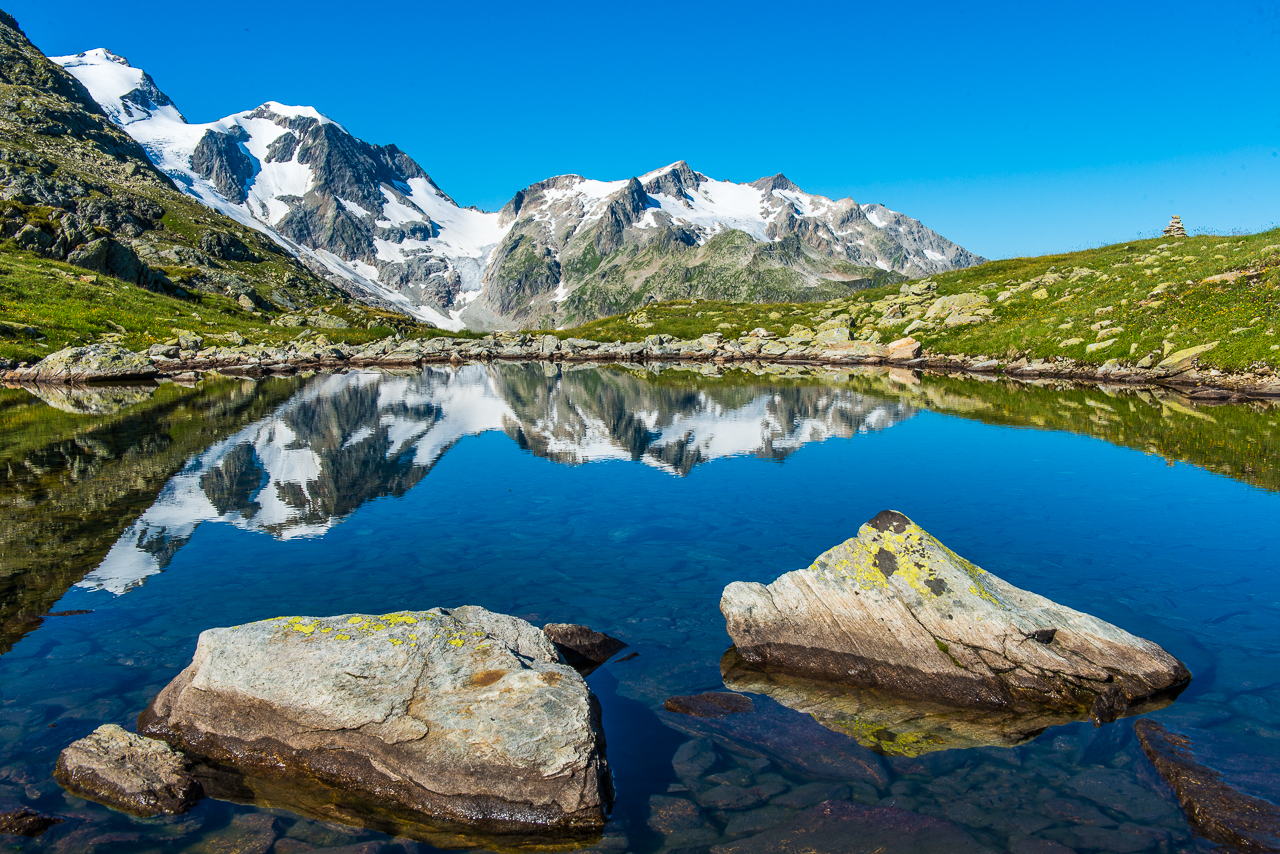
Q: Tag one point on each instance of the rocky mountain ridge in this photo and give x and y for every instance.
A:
(75, 187)
(562, 251)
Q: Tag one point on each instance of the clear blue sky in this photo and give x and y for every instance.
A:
(1013, 129)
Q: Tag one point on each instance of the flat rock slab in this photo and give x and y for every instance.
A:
(583, 649)
(1217, 808)
(896, 610)
(134, 774)
(840, 827)
(443, 719)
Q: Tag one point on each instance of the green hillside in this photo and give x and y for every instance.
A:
(1127, 301)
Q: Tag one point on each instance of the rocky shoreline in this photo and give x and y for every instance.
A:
(192, 356)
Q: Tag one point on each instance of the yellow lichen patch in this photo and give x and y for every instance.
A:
(327, 629)
(342, 637)
(305, 629)
(455, 642)
(395, 641)
(396, 619)
(355, 621)
(376, 627)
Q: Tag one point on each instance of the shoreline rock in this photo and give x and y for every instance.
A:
(458, 720)
(78, 366)
(895, 610)
(131, 773)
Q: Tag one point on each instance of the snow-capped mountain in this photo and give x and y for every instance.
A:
(349, 438)
(563, 250)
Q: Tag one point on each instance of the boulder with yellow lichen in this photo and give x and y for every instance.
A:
(897, 611)
(437, 725)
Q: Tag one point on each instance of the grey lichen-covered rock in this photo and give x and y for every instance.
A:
(441, 719)
(896, 610)
(134, 774)
(95, 363)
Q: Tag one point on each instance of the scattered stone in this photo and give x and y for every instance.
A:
(894, 609)
(338, 709)
(1099, 345)
(129, 772)
(1041, 293)
(583, 649)
(903, 350)
(1183, 360)
(25, 821)
(1217, 809)
(713, 704)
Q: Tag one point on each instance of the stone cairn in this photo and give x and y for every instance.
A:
(1174, 228)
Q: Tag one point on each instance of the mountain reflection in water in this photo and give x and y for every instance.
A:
(351, 438)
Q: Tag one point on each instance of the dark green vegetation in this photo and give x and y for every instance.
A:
(75, 473)
(1147, 297)
(47, 305)
(74, 188)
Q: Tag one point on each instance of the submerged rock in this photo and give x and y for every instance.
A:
(134, 774)
(95, 363)
(25, 821)
(416, 722)
(1218, 809)
(712, 704)
(840, 827)
(583, 649)
(894, 609)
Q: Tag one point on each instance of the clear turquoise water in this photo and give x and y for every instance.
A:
(1167, 551)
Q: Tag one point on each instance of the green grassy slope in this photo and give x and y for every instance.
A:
(1147, 296)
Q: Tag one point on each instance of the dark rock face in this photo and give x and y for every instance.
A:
(713, 704)
(1218, 809)
(26, 821)
(219, 158)
(134, 774)
(840, 827)
(583, 649)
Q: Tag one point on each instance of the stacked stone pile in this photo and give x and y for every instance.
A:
(1174, 228)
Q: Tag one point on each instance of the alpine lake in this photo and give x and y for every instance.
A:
(625, 499)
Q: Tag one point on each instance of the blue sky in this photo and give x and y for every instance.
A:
(1013, 129)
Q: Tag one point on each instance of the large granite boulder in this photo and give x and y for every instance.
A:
(95, 363)
(896, 610)
(414, 722)
(134, 774)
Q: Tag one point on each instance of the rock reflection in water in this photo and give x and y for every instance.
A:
(92, 400)
(890, 725)
(351, 438)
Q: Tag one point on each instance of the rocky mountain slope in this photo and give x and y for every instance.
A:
(562, 251)
(74, 187)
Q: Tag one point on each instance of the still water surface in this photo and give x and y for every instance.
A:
(627, 502)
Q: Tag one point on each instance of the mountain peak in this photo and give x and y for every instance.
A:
(127, 94)
(776, 182)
